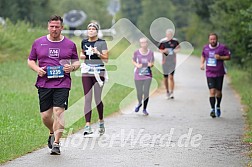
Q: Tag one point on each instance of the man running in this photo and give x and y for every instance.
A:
(57, 57)
(169, 47)
(214, 54)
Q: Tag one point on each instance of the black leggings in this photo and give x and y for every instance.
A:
(89, 84)
(143, 89)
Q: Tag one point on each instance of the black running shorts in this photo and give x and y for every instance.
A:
(215, 82)
(53, 97)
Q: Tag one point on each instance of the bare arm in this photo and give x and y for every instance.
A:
(33, 65)
(218, 57)
(137, 65)
(202, 63)
(104, 56)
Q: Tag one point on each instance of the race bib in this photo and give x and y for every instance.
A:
(55, 72)
(94, 67)
(170, 50)
(211, 62)
(144, 71)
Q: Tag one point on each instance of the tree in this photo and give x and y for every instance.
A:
(152, 10)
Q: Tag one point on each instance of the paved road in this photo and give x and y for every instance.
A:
(177, 132)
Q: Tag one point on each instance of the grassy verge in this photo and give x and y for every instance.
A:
(241, 81)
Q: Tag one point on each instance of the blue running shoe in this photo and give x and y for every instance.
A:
(212, 113)
(138, 107)
(101, 128)
(218, 112)
(145, 112)
(87, 130)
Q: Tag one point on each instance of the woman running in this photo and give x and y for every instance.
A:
(94, 53)
(143, 60)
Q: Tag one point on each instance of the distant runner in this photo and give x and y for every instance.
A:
(214, 54)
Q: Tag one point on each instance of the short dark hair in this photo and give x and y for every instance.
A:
(212, 33)
(56, 18)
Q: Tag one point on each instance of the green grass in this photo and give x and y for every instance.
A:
(241, 81)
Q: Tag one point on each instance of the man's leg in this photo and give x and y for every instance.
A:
(166, 83)
(47, 119)
(212, 92)
(219, 94)
(171, 84)
(58, 124)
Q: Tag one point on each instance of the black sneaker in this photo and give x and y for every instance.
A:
(50, 141)
(55, 149)
(212, 114)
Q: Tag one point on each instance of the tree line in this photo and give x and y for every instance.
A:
(193, 19)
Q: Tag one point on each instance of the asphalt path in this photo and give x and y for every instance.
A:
(178, 132)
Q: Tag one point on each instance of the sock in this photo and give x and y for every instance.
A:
(212, 102)
(218, 101)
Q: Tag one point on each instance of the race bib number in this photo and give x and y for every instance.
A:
(94, 67)
(211, 62)
(144, 71)
(55, 72)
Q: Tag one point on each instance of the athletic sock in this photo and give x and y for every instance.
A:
(212, 102)
(218, 101)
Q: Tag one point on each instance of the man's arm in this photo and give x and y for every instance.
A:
(202, 63)
(33, 65)
(218, 57)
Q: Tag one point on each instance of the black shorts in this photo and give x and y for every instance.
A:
(215, 82)
(53, 97)
(166, 75)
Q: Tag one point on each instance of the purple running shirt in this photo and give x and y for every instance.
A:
(144, 72)
(53, 53)
(215, 68)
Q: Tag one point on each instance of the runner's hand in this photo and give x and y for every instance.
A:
(67, 68)
(217, 56)
(41, 71)
(139, 65)
(82, 56)
(202, 67)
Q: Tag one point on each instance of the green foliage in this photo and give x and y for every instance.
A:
(16, 40)
(231, 20)
(131, 9)
(95, 10)
(32, 11)
(152, 10)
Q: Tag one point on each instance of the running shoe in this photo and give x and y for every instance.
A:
(167, 96)
(218, 112)
(101, 128)
(171, 96)
(212, 113)
(138, 107)
(87, 130)
(55, 149)
(50, 141)
(145, 112)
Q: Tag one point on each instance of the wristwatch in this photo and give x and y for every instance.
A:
(73, 68)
